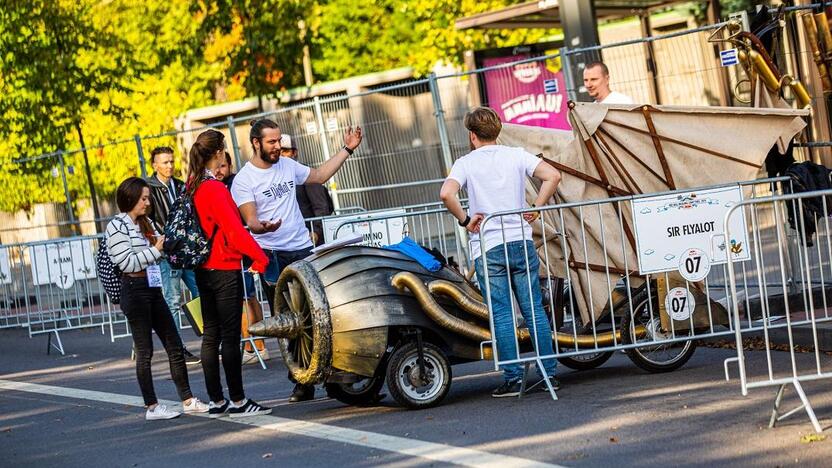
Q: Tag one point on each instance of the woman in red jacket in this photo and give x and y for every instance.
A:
(220, 278)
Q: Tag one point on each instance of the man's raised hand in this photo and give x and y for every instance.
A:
(353, 138)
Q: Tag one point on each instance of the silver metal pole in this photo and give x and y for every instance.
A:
(319, 116)
(66, 188)
(140, 151)
(235, 145)
(566, 67)
(439, 112)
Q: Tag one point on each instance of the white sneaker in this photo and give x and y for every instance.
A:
(160, 412)
(250, 357)
(195, 406)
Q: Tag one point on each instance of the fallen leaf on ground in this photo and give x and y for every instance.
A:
(809, 438)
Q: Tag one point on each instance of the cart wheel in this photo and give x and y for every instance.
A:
(363, 392)
(299, 292)
(655, 358)
(585, 361)
(408, 387)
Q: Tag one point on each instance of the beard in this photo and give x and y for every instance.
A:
(270, 158)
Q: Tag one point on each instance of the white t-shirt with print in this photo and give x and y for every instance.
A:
(274, 192)
(495, 176)
(614, 97)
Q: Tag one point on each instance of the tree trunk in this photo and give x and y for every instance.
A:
(93, 196)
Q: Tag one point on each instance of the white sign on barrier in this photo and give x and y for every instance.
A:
(679, 303)
(62, 263)
(5, 267)
(668, 227)
(376, 233)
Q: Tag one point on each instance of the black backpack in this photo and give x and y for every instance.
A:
(109, 275)
(186, 244)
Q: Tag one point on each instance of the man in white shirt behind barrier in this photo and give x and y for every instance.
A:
(495, 176)
(597, 84)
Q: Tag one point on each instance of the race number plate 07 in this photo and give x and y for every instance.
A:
(694, 265)
(679, 304)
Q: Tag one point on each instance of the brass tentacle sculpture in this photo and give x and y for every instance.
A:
(478, 309)
(756, 62)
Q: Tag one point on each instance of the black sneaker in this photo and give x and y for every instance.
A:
(302, 393)
(190, 359)
(249, 408)
(509, 388)
(555, 385)
(216, 410)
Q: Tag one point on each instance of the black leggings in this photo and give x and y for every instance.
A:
(221, 297)
(146, 310)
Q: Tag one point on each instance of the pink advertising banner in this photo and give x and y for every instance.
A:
(531, 93)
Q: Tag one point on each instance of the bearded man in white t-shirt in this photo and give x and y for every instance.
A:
(495, 177)
(265, 190)
(597, 84)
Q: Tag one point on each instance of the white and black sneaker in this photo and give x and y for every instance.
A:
(217, 410)
(509, 388)
(248, 408)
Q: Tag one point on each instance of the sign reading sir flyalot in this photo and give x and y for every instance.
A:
(684, 231)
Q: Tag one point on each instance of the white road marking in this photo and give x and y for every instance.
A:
(416, 448)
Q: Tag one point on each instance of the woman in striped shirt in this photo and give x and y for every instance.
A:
(135, 248)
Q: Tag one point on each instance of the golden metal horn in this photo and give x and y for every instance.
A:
(475, 332)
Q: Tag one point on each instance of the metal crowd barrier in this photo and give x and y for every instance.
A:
(430, 225)
(52, 286)
(789, 308)
(587, 251)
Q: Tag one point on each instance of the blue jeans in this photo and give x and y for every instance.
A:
(500, 273)
(189, 278)
(171, 286)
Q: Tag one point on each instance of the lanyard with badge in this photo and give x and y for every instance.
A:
(154, 275)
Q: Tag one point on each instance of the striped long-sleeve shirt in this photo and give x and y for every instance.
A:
(129, 250)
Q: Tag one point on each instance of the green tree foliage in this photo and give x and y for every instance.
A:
(267, 57)
(350, 40)
(57, 62)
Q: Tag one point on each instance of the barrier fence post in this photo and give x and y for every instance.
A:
(66, 189)
(569, 80)
(439, 113)
(319, 117)
(142, 167)
(235, 145)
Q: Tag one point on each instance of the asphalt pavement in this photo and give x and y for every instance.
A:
(83, 409)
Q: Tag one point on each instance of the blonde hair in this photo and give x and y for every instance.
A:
(484, 123)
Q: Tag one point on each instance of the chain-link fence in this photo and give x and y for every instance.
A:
(413, 129)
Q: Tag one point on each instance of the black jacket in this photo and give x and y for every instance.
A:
(808, 177)
(314, 201)
(160, 200)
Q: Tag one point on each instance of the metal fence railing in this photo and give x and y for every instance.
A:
(413, 129)
(787, 307)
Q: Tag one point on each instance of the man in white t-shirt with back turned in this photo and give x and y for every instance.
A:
(495, 177)
(265, 190)
(597, 84)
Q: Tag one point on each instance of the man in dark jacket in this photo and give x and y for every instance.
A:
(313, 199)
(164, 191)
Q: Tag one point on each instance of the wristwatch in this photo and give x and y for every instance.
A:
(466, 221)
(348, 150)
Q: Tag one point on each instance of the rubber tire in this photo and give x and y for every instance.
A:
(405, 352)
(586, 364)
(638, 359)
(319, 321)
(368, 396)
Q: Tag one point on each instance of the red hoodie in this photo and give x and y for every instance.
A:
(216, 209)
